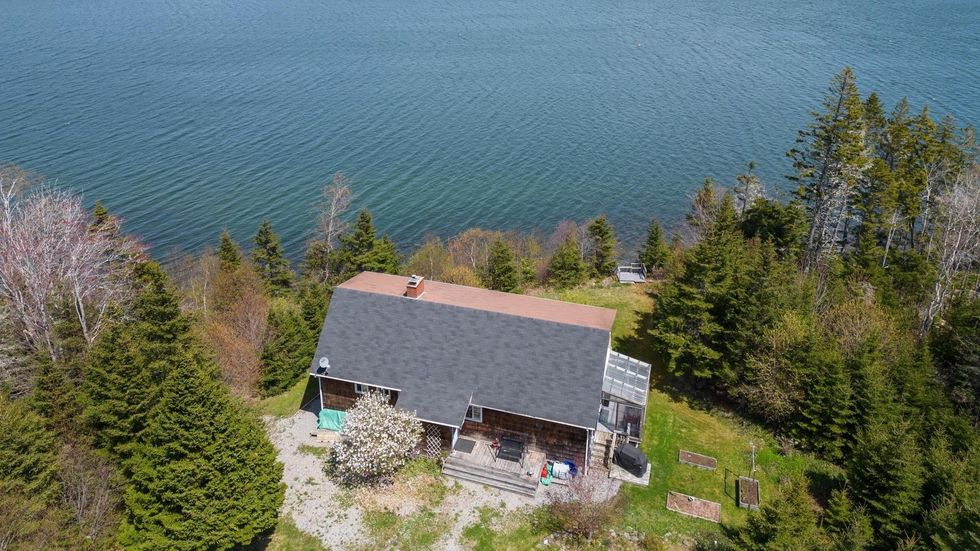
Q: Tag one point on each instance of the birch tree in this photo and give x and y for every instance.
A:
(331, 223)
(50, 253)
(957, 242)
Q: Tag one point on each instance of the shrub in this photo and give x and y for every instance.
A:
(377, 440)
(584, 508)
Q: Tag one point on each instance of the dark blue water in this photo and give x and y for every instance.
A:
(188, 116)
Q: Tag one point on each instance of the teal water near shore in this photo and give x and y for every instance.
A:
(186, 117)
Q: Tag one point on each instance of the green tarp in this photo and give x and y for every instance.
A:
(332, 419)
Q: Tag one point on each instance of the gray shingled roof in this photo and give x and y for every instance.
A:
(439, 355)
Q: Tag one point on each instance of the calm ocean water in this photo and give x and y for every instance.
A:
(187, 116)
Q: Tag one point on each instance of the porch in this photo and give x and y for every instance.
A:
(508, 466)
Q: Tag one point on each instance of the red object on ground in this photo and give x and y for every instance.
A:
(544, 472)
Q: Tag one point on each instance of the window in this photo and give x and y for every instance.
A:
(475, 414)
(364, 389)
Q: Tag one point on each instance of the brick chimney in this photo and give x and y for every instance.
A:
(415, 287)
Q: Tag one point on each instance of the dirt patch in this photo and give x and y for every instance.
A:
(693, 506)
(698, 460)
(748, 493)
(336, 516)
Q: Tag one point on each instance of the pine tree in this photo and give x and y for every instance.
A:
(655, 253)
(362, 236)
(360, 249)
(788, 523)
(229, 255)
(203, 475)
(100, 215)
(314, 299)
(501, 272)
(269, 261)
(603, 250)
(130, 360)
(567, 269)
(287, 350)
(885, 471)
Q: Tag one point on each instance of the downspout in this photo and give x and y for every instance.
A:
(452, 448)
(588, 452)
(319, 386)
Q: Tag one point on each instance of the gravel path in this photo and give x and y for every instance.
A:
(320, 508)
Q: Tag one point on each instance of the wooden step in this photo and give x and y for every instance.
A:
(488, 477)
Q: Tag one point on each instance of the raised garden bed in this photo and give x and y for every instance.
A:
(694, 506)
(698, 460)
(748, 493)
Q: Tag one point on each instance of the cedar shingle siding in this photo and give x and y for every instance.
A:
(552, 439)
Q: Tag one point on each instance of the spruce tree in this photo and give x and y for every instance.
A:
(203, 475)
(602, 258)
(826, 412)
(527, 272)
(501, 272)
(229, 255)
(655, 252)
(382, 257)
(885, 471)
(829, 162)
(287, 350)
(130, 359)
(360, 240)
(692, 323)
(847, 524)
(789, 522)
(314, 299)
(28, 457)
(269, 261)
(567, 269)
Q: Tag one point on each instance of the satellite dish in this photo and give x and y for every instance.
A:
(324, 362)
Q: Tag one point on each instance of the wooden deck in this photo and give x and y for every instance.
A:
(482, 455)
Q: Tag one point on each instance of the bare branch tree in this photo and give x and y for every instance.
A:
(50, 253)
(957, 243)
(15, 365)
(331, 224)
(89, 490)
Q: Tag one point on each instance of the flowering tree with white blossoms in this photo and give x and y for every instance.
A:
(377, 439)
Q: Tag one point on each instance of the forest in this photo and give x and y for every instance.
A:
(842, 315)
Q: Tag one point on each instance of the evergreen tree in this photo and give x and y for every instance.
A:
(567, 269)
(314, 299)
(130, 359)
(287, 350)
(229, 255)
(501, 272)
(603, 250)
(784, 225)
(788, 523)
(955, 345)
(382, 257)
(360, 240)
(28, 457)
(885, 471)
(952, 520)
(826, 411)
(693, 318)
(527, 272)
(847, 524)
(829, 163)
(100, 215)
(203, 475)
(269, 261)
(655, 252)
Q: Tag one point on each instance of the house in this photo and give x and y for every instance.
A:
(502, 382)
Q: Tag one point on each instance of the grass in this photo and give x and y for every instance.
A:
(497, 530)
(420, 530)
(316, 451)
(288, 537)
(673, 422)
(285, 404)
(423, 476)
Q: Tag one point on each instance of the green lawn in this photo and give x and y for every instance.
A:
(673, 423)
(285, 404)
(288, 537)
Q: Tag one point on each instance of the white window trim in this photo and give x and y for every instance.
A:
(475, 414)
(364, 389)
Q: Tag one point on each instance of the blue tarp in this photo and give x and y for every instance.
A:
(332, 419)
